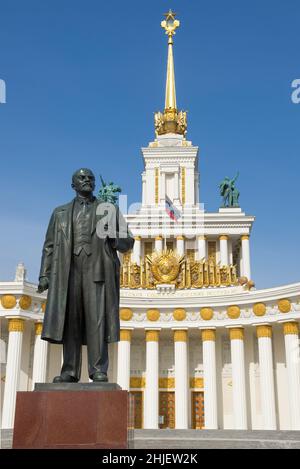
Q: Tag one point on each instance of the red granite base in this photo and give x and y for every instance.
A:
(71, 419)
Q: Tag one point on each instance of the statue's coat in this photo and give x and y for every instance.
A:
(56, 262)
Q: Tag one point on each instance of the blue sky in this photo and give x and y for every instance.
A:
(84, 78)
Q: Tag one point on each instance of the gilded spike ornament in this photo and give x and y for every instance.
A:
(171, 120)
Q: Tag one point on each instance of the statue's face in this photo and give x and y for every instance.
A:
(83, 181)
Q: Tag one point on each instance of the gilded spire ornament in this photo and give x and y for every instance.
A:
(171, 120)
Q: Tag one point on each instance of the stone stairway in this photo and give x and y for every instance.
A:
(201, 439)
(215, 439)
(6, 439)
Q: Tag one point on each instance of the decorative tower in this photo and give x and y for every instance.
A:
(171, 120)
(171, 162)
(195, 250)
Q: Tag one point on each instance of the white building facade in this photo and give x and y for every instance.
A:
(200, 346)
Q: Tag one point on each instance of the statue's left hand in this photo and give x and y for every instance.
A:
(43, 285)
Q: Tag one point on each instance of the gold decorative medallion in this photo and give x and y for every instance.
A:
(284, 305)
(25, 302)
(165, 265)
(233, 312)
(208, 334)
(125, 335)
(206, 313)
(259, 309)
(126, 314)
(8, 301)
(179, 314)
(153, 314)
(290, 328)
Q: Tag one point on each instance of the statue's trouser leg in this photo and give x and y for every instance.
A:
(74, 322)
(94, 308)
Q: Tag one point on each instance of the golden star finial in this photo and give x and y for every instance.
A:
(170, 24)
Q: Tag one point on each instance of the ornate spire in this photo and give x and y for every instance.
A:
(171, 120)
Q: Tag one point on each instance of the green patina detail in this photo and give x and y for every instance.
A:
(109, 192)
(229, 192)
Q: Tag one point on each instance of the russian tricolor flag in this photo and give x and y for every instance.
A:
(171, 210)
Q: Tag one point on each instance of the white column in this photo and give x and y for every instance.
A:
(180, 245)
(39, 371)
(162, 190)
(246, 257)
(181, 379)
(176, 187)
(123, 373)
(151, 396)
(136, 255)
(230, 253)
(266, 373)
(238, 378)
(13, 365)
(197, 188)
(224, 249)
(158, 243)
(291, 340)
(189, 186)
(144, 196)
(210, 379)
(202, 250)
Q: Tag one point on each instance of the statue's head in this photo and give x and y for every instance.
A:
(83, 181)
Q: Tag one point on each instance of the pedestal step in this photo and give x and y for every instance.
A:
(215, 439)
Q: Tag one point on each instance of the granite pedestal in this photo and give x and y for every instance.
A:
(72, 415)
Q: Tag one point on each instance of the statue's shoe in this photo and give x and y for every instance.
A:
(100, 376)
(64, 378)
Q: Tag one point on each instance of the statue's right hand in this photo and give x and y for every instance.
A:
(43, 285)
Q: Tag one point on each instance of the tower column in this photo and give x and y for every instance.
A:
(180, 245)
(181, 378)
(13, 367)
(162, 190)
(136, 255)
(40, 356)
(210, 378)
(123, 373)
(266, 373)
(151, 396)
(224, 249)
(202, 250)
(176, 188)
(238, 377)
(158, 243)
(291, 340)
(144, 197)
(246, 256)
